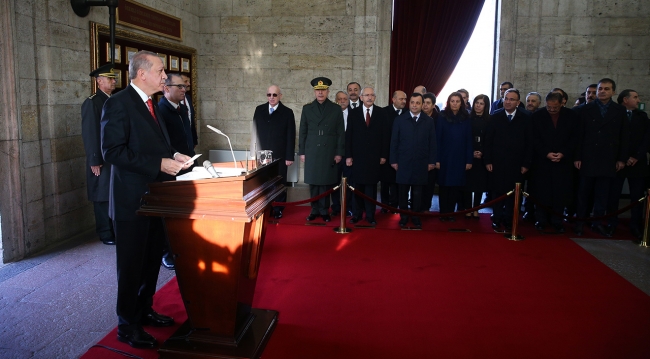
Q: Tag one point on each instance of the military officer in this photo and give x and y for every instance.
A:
(321, 145)
(98, 172)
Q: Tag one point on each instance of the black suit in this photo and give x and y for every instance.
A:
(388, 186)
(366, 145)
(192, 116)
(637, 174)
(97, 186)
(508, 148)
(135, 144)
(602, 141)
(276, 132)
(552, 181)
(178, 127)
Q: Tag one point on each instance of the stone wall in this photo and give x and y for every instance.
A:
(248, 45)
(573, 43)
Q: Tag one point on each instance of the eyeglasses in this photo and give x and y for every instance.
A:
(271, 95)
(180, 87)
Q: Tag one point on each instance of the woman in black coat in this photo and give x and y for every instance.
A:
(477, 176)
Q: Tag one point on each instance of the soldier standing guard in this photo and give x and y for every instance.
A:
(98, 172)
(321, 145)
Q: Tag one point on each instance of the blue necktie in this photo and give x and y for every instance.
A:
(271, 111)
(509, 117)
(629, 115)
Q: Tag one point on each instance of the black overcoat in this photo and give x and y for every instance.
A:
(91, 114)
(602, 141)
(276, 132)
(553, 179)
(638, 146)
(413, 147)
(477, 176)
(178, 126)
(366, 145)
(388, 173)
(508, 147)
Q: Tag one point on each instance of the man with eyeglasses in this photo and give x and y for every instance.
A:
(175, 115)
(190, 107)
(505, 86)
(274, 128)
(98, 172)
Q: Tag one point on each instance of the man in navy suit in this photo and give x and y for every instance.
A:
(603, 141)
(137, 144)
(388, 173)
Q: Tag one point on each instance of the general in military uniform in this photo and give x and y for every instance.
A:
(321, 145)
(98, 172)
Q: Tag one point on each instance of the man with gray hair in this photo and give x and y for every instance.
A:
(533, 101)
(137, 145)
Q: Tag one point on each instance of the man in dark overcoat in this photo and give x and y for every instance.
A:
(366, 149)
(137, 144)
(191, 114)
(321, 145)
(636, 166)
(388, 173)
(508, 154)
(98, 172)
(274, 128)
(554, 131)
(603, 141)
(412, 154)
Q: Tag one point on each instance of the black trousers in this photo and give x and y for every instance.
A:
(599, 188)
(469, 202)
(637, 189)
(138, 248)
(449, 198)
(362, 205)
(503, 210)
(416, 198)
(389, 194)
(103, 224)
(282, 197)
(429, 189)
(321, 206)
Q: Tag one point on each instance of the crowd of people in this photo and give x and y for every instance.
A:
(572, 161)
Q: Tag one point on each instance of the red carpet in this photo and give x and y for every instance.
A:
(405, 294)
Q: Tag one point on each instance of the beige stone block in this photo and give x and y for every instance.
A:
(29, 123)
(238, 95)
(299, 62)
(313, 44)
(228, 62)
(220, 44)
(636, 67)
(384, 15)
(48, 63)
(209, 110)
(610, 8)
(24, 28)
(74, 222)
(31, 154)
(329, 24)
(281, 24)
(70, 69)
(209, 24)
(207, 76)
(571, 46)
(255, 44)
(252, 7)
(508, 22)
(528, 26)
(527, 46)
(550, 7)
(627, 26)
(522, 7)
(34, 226)
(555, 26)
(308, 7)
(234, 24)
(269, 62)
(547, 46)
(565, 81)
(363, 24)
(581, 66)
(24, 7)
(66, 148)
(216, 8)
(46, 151)
(573, 8)
(590, 26)
(48, 186)
(33, 184)
(26, 59)
(242, 125)
(227, 109)
(72, 200)
(296, 79)
(621, 47)
(633, 81)
(551, 65)
(61, 92)
(61, 36)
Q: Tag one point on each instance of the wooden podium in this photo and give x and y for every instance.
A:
(216, 230)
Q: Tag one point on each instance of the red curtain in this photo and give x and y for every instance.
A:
(428, 39)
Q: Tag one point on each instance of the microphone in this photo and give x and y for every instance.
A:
(208, 166)
(223, 134)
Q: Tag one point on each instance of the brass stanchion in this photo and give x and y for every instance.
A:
(344, 209)
(515, 216)
(644, 239)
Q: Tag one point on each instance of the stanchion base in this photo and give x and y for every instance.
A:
(513, 238)
(501, 231)
(315, 224)
(458, 230)
(642, 244)
(342, 230)
(364, 226)
(411, 228)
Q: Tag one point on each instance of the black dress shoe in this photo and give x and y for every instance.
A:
(598, 228)
(371, 221)
(311, 217)
(384, 210)
(496, 226)
(559, 228)
(507, 226)
(354, 219)
(335, 213)
(136, 338)
(168, 261)
(636, 233)
(157, 320)
(578, 230)
(540, 226)
(108, 241)
(451, 219)
(610, 229)
(528, 216)
(416, 222)
(277, 214)
(442, 219)
(326, 217)
(403, 221)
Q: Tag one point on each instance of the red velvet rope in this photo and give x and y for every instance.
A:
(425, 214)
(576, 219)
(326, 193)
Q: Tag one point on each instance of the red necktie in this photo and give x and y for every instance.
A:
(367, 117)
(151, 111)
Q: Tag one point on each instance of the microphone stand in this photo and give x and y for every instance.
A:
(230, 144)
